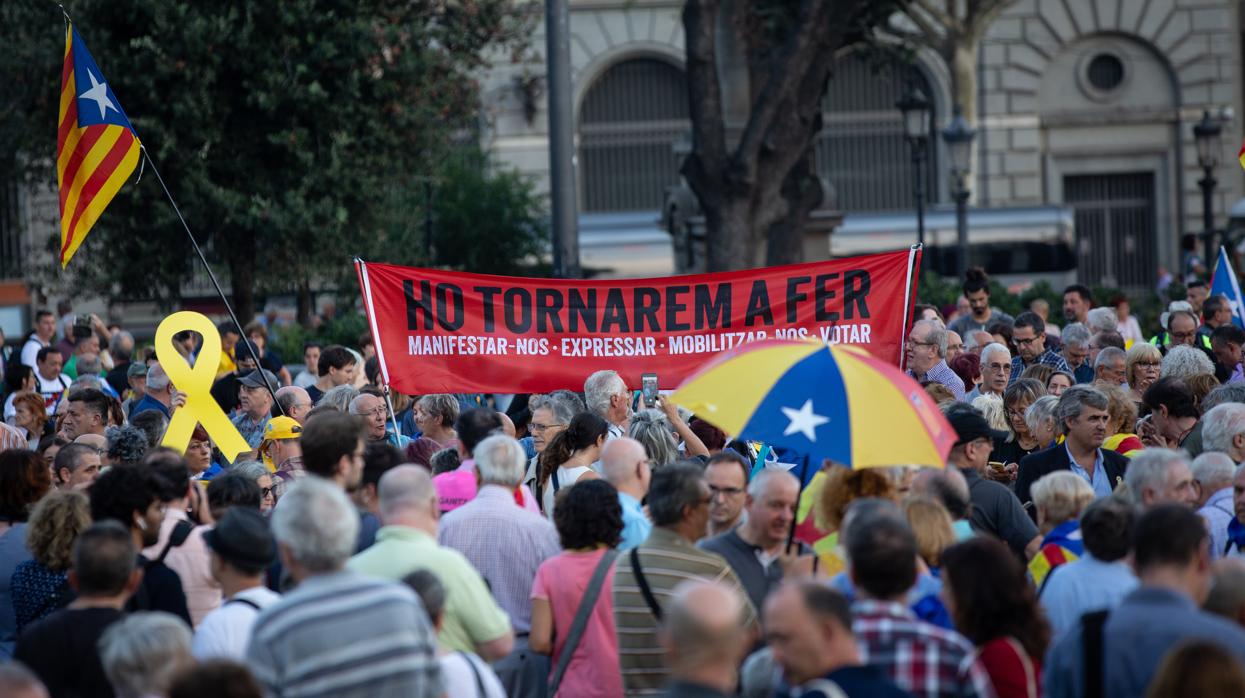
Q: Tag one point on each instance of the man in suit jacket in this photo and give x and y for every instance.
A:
(1082, 411)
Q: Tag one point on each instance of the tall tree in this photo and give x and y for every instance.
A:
(954, 29)
(758, 190)
(283, 129)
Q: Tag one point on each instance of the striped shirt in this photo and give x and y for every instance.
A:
(1047, 357)
(344, 635)
(942, 374)
(919, 657)
(505, 543)
(666, 559)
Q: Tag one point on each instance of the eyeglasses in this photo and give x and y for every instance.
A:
(541, 428)
(1149, 364)
(265, 491)
(997, 367)
(1182, 335)
(918, 343)
(378, 412)
(1016, 414)
(724, 491)
(1024, 342)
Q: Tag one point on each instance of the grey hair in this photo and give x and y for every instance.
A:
(652, 429)
(405, 487)
(1183, 361)
(1228, 392)
(1074, 401)
(317, 524)
(1148, 470)
(1102, 320)
(250, 469)
(501, 461)
(1041, 411)
(116, 345)
(354, 402)
(1220, 424)
(760, 484)
(598, 389)
(1076, 335)
(443, 406)
(86, 380)
(1063, 494)
(562, 403)
(991, 407)
(1213, 470)
(1109, 355)
(143, 651)
(126, 443)
(89, 365)
(994, 348)
(673, 489)
(157, 378)
(936, 335)
(339, 398)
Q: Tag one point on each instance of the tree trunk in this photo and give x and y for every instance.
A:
(961, 57)
(803, 193)
(304, 302)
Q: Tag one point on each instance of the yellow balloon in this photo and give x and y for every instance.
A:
(196, 383)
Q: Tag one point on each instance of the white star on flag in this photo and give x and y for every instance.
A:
(98, 94)
(803, 420)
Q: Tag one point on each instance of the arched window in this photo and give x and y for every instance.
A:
(861, 149)
(629, 121)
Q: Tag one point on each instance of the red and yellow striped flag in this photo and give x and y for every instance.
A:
(96, 147)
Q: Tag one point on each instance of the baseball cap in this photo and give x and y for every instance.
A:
(253, 380)
(969, 425)
(242, 537)
(136, 369)
(276, 429)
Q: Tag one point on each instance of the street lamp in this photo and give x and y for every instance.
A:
(916, 115)
(958, 136)
(1206, 135)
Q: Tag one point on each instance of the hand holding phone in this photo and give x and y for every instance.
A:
(648, 389)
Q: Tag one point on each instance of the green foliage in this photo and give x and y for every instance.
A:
(288, 132)
(344, 329)
(487, 221)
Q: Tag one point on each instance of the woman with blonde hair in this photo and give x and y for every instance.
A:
(41, 585)
(1201, 384)
(1142, 364)
(1059, 498)
(1122, 416)
(932, 526)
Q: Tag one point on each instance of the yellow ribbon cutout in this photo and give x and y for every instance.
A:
(196, 383)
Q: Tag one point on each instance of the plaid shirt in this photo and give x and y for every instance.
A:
(1047, 357)
(505, 543)
(920, 658)
(943, 374)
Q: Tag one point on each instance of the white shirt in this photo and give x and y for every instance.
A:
(53, 390)
(30, 351)
(225, 632)
(460, 680)
(566, 477)
(305, 379)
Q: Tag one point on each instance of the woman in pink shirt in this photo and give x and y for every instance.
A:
(589, 521)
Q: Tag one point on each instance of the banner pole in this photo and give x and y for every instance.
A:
(907, 306)
(212, 275)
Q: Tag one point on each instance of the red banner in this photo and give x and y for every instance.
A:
(441, 332)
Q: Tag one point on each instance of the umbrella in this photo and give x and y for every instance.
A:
(821, 401)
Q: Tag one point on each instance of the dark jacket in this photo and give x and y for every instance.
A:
(1035, 465)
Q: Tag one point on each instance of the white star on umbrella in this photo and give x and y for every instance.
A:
(803, 420)
(99, 94)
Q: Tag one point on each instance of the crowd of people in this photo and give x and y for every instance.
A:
(1084, 537)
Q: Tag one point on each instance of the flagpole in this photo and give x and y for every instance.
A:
(212, 275)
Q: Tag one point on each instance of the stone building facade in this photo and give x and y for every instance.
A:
(1087, 104)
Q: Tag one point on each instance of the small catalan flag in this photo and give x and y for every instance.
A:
(96, 147)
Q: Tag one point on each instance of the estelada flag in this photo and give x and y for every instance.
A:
(96, 147)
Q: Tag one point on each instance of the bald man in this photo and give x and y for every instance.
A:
(808, 627)
(755, 549)
(948, 487)
(702, 639)
(407, 541)
(626, 467)
(375, 415)
(1227, 590)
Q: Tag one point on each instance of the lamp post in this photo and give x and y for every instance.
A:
(1206, 135)
(916, 115)
(958, 136)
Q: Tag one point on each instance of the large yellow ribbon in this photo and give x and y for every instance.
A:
(196, 383)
